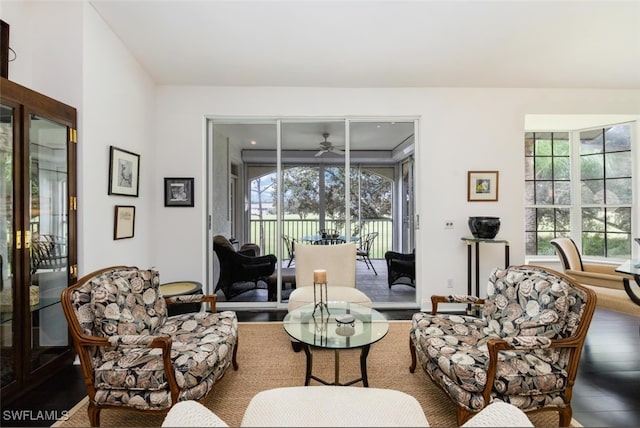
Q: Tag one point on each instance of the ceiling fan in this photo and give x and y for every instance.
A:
(328, 147)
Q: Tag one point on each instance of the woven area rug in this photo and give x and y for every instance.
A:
(267, 361)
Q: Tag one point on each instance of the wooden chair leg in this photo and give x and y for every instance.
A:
(565, 416)
(234, 360)
(412, 351)
(94, 414)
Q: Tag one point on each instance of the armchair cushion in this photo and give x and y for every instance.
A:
(127, 302)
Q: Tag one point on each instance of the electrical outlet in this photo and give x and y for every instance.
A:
(450, 283)
(448, 224)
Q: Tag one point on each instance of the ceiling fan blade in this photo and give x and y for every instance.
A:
(320, 153)
(338, 151)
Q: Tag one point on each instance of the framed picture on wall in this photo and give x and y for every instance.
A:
(124, 222)
(482, 186)
(178, 191)
(124, 172)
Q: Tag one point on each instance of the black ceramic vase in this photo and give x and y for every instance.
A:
(484, 227)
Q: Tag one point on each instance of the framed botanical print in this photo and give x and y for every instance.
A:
(482, 186)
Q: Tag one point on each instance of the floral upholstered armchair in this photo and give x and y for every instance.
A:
(524, 350)
(132, 354)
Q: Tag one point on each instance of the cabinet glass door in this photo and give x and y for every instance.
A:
(7, 354)
(49, 226)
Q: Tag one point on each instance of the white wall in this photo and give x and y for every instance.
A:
(47, 39)
(460, 130)
(119, 110)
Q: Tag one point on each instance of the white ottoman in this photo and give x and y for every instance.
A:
(333, 406)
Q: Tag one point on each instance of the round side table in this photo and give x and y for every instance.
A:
(181, 288)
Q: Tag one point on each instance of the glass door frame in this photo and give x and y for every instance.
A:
(280, 248)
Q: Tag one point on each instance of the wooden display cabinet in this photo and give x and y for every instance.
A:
(38, 229)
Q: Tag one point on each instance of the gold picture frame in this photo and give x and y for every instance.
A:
(482, 186)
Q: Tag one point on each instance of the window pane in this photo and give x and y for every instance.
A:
(562, 193)
(543, 144)
(530, 221)
(618, 164)
(593, 244)
(563, 220)
(546, 219)
(592, 191)
(561, 144)
(529, 193)
(543, 168)
(544, 193)
(561, 168)
(618, 191)
(591, 166)
(593, 220)
(617, 138)
(530, 243)
(544, 243)
(528, 168)
(618, 245)
(591, 142)
(619, 220)
(528, 143)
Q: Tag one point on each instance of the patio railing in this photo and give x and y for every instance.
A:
(263, 233)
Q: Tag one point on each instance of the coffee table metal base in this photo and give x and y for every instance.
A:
(336, 380)
(627, 287)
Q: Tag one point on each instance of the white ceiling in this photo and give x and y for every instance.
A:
(508, 43)
(361, 43)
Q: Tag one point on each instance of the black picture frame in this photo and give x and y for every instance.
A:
(124, 172)
(178, 191)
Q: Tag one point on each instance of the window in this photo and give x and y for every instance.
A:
(578, 184)
(547, 189)
(605, 183)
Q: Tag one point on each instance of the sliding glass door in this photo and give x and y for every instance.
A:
(297, 181)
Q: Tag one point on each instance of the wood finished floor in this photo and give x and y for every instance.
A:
(606, 393)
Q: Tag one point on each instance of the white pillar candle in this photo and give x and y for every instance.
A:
(320, 276)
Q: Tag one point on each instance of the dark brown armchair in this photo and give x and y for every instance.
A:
(401, 268)
(243, 270)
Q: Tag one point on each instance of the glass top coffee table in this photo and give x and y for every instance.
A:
(322, 330)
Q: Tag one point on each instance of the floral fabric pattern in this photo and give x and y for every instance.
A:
(527, 307)
(125, 306)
